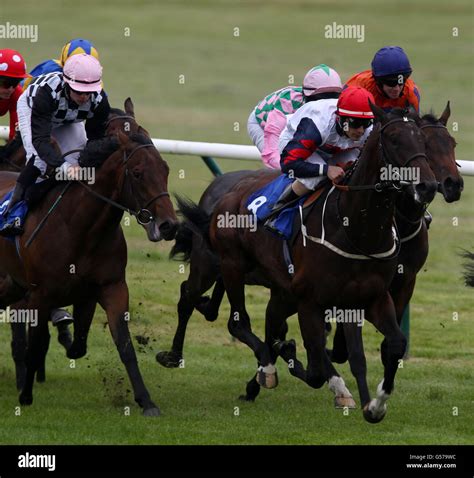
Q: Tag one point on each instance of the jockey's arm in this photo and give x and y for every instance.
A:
(305, 141)
(96, 126)
(41, 126)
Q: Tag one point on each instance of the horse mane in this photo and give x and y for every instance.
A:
(97, 151)
(430, 117)
(116, 112)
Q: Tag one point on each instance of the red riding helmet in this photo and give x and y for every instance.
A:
(12, 64)
(354, 102)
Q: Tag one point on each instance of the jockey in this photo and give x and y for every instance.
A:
(54, 106)
(388, 80)
(320, 135)
(74, 47)
(268, 118)
(12, 71)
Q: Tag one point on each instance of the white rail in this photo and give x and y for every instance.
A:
(221, 150)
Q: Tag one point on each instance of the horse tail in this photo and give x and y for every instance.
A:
(469, 268)
(183, 243)
(197, 221)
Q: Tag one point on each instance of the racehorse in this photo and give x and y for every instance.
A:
(204, 267)
(79, 256)
(350, 284)
(118, 120)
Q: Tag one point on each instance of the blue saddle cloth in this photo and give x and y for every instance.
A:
(262, 201)
(16, 217)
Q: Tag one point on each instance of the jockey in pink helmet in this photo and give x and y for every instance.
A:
(57, 105)
(268, 118)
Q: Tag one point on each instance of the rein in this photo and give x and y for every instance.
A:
(142, 215)
(378, 187)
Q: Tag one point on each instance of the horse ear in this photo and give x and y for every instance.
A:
(443, 119)
(129, 109)
(378, 112)
(143, 131)
(122, 139)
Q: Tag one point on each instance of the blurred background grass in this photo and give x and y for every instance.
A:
(224, 77)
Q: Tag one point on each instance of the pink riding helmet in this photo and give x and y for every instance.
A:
(321, 79)
(83, 73)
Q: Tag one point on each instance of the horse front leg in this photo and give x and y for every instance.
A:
(114, 300)
(320, 369)
(382, 315)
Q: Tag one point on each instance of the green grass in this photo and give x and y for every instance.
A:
(225, 77)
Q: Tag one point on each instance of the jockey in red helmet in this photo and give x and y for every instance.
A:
(320, 135)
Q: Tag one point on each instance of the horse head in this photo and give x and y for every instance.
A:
(440, 147)
(144, 187)
(403, 151)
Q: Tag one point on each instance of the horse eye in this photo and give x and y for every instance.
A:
(137, 174)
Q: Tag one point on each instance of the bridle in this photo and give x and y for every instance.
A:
(384, 185)
(118, 117)
(142, 214)
(379, 187)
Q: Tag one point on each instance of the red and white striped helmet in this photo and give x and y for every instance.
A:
(354, 102)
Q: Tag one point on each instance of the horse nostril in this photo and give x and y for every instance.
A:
(168, 229)
(427, 190)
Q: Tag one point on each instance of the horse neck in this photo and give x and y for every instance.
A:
(369, 213)
(108, 183)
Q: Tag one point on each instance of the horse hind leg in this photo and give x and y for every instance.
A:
(239, 320)
(201, 278)
(174, 357)
(209, 306)
(18, 346)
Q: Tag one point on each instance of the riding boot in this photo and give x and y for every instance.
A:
(287, 197)
(27, 178)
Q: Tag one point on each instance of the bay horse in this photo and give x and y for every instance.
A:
(361, 284)
(119, 120)
(80, 255)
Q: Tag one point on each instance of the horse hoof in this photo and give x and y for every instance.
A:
(152, 412)
(246, 398)
(65, 339)
(76, 351)
(267, 379)
(25, 399)
(169, 359)
(371, 417)
(344, 402)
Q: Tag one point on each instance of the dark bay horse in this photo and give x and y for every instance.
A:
(324, 279)
(80, 255)
(204, 267)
